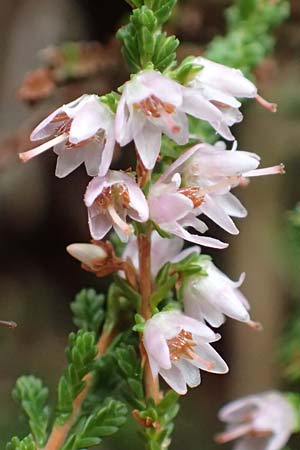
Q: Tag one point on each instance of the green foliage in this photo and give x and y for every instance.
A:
(104, 421)
(32, 396)
(81, 353)
(88, 310)
(162, 290)
(163, 414)
(111, 100)
(130, 369)
(25, 444)
(144, 44)
(289, 351)
(248, 38)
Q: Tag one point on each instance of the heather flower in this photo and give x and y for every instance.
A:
(82, 132)
(152, 104)
(221, 85)
(209, 172)
(109, 200)
(178, 346)
(212, 297)
(163, 250)
(174, 209)
(259, 422)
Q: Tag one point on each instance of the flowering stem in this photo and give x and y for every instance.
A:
(144, 245)
(60, 432)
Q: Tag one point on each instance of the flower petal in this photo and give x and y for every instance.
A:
(148, 141)
(174, 378)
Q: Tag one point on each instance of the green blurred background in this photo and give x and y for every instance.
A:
(41, 215)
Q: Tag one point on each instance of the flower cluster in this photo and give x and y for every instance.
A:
(165, 207)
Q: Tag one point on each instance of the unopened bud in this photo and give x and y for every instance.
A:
(88, 254)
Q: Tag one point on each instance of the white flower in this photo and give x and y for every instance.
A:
(84, 133)
(221, 85)
(178, 346)
(152, 104)
(259, 422)
(210, 298)
(109, 200)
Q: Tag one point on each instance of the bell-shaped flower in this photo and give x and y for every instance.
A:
(81, 132)
(173, 209)
(109, 200)
(163, 250)
(259, 422)
(221, 85)
(209, 172)
(178, 346)
(152, 104)
(212, 297)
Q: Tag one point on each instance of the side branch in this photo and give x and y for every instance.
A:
(60, 433)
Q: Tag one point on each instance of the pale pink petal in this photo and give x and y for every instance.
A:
(191, 374)
(122, 130)
(194, 326)
(231, 205)
(239, 410)
(212, 210)
(169, 207)
(100, 225)
(178, 163)
(162, 87)
(191, 221)
(208, 354)
(156, 345)
(93, 155)
(179, 132)
(163, 251)
(93, 116)
(227, 79)
(107, 152)
(148, 142)
(253, 443)
(94, 189)
(67, 159)
(212, 93)
(179, 231)
(138, 206)
(174, 378)
(46, 128)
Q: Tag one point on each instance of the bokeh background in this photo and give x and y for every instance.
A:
(40, 215)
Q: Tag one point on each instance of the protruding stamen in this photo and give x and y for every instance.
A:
(209, 365)
(170, 122)
(274, 170)
(10, 324)
(127, 229)
(270, 106)
(255, 325)
(235, 433)
(26, 156)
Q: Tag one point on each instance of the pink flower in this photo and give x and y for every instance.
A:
(109, 200)
(83, 132)
(259, 422)
(163, 250)
(152, 104)
(173, 209)
(221, 85)
(178, 346)
(212, 297)
(208, 173)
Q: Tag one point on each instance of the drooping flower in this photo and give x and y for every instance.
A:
(221, 85)
(178, 346)
(208, 173)
(83, 132)
(259, 422)
(152, 104)
(109, 200)
(212, 297)
(163, 250)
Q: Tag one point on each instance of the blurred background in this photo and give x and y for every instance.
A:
(41, 215)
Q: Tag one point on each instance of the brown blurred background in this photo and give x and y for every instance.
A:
(40, 214)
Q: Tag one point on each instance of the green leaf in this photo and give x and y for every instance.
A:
(162, 291)
(32, 395)
(81, 353)
(25, 444)
(88, 310)
(128, 292)
(104, 421)
(111, 100)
